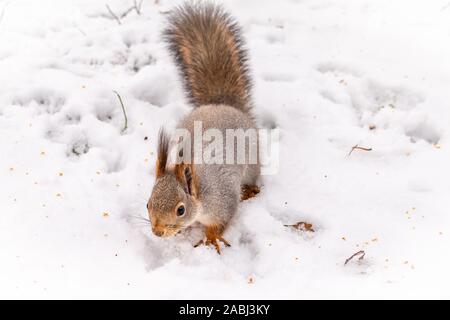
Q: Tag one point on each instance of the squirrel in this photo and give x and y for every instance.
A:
(206, 44)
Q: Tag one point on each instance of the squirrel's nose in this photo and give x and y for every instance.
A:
(158, 233)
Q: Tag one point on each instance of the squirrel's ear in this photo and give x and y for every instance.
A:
(185, 174)
(163, 150)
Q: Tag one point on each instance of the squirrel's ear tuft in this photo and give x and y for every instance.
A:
(185, 174)
(163, 152)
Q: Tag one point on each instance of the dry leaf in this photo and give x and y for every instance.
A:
(303, 226)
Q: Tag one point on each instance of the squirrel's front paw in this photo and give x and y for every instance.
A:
(213, 241)
(212, 237)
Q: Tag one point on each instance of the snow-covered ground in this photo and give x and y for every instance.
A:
(329, 74)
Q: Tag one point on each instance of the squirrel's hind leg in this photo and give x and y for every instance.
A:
(213, 234)
(249, 191)
(249, 183)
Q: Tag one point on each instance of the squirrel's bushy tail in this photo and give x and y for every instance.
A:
(208, 49)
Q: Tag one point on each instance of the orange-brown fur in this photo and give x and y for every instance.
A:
(207, 47)
(248, 192)
(213, 234)
(185, 173)
(163, 153)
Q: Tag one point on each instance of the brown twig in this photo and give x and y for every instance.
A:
(137, 6)
(361, 253)
(359, 148)
(114, 15)
(81, 31)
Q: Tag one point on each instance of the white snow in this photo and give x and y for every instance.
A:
(325, 72)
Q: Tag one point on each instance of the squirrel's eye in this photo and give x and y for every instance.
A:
(180, 210)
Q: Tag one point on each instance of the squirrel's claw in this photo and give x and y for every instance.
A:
(199, 243)
(225, 242)
(214, 242)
